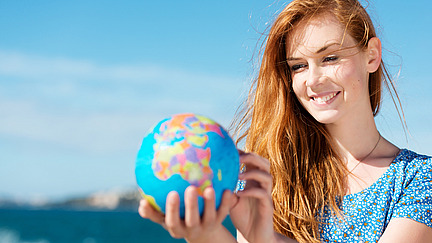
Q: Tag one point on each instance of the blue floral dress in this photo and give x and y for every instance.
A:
(403, 191)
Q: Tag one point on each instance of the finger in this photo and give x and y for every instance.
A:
(261, 179)
(225, 206)
(209, 206)
(192, 217)
(254, 161)
(264, 204)
(263, 197)
(172, 215)
(145, 210)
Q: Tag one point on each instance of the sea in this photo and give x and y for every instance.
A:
(65, 226)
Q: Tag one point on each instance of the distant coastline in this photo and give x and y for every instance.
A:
(111, 200)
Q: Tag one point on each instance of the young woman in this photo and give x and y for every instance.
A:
(317, 169)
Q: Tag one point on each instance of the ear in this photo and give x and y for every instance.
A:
(373, 54)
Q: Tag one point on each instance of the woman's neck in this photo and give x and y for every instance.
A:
(355, 137)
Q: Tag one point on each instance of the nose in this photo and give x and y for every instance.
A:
(315, 76)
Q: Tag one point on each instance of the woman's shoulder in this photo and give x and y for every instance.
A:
(413, 190)
(410, 160)
(409, 155)
(409, 166)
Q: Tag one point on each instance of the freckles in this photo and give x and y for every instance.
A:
(355, 84)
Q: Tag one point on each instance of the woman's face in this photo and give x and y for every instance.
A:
(329, 72)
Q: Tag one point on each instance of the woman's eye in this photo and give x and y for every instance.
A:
(330, 59)
(297, 67)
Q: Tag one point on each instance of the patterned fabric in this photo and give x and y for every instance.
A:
(403, 191)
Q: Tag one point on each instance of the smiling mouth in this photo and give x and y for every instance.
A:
(324, 99)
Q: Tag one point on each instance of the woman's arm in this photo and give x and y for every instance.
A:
(412, 220)
(278, 238)
(402, 230)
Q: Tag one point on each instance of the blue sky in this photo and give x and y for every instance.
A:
(82, 81)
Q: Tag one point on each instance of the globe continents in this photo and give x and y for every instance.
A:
(183, 150)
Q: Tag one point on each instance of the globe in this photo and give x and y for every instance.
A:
(184, 150)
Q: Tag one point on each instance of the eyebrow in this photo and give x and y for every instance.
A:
(317, 52)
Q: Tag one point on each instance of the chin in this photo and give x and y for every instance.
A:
(326, 118)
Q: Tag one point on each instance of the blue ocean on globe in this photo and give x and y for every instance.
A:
(183, 150)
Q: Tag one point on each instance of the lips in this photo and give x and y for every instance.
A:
(324, 99)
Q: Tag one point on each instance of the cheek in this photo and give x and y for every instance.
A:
(352, 76)
(346, 71)
(298, 86)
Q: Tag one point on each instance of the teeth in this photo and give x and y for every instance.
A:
(324, 99)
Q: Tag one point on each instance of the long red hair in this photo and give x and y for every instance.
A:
(307, 173)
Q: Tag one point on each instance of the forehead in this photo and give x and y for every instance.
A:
(310, 36)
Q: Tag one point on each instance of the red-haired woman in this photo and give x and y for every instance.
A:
(317, 168)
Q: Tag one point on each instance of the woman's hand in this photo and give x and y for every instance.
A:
(252, 215)
(193, 228)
